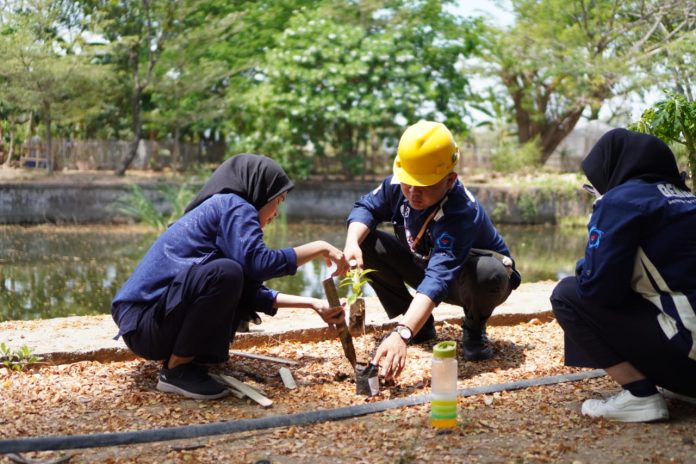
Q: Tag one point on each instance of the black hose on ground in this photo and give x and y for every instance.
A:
(65, 442)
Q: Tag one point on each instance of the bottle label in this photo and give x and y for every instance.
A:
(443, 413)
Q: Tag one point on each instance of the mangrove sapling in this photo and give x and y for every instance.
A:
(356, 280)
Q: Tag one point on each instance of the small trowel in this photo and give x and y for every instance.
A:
(343, 332)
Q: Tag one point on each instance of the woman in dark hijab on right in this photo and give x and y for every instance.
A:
(630, 309)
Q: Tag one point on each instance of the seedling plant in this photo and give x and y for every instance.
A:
(355, 279)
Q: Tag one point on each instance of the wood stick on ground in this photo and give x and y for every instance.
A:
(343, 332)
(232, 390)
(247, 390)
(264, 357)
(287, 378)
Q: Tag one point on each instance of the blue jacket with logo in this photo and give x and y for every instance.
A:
(224, 226)
(460, 225)
(642, 238)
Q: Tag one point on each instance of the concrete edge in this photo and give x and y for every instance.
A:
(252, 339)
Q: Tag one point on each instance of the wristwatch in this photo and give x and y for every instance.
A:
(404, 332)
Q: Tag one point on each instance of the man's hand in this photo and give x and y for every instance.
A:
(391, 356)
(354, 237)
(353, 255)
(336, 256)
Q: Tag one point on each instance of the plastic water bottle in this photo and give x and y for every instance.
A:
(443, 395)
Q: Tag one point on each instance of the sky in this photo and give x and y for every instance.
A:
(485, 7)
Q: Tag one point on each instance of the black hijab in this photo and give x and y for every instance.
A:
(621, 155)
(256, 178)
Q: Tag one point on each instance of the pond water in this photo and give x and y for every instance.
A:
(55, 271)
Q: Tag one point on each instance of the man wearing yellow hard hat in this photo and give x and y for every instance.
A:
(444, 246)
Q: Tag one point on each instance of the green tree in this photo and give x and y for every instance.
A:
(673, 120)
(137, 32)
(345, 76)
(563, 60)
(46, 69)
(190, 79)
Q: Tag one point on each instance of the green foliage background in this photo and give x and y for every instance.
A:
(328, 85)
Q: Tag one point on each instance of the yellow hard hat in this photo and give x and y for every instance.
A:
(426, 154)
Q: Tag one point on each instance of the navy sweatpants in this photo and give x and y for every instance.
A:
(603, 337)
(197, 316)
(483, 284)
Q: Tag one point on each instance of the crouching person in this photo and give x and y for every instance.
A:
(631, 308)
(444, 246)
(203, 276)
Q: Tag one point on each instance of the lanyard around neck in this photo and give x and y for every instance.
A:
(417, 240)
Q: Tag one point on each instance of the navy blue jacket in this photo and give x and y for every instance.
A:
(642, 238)
(224, 226)
(460, 225)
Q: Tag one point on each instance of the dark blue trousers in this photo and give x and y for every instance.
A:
(197, 316)
(483, 284)
(602, 337)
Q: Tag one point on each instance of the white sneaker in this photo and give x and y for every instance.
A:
(676, 396)
(624, 407)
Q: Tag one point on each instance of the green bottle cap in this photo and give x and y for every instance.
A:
(446, 349)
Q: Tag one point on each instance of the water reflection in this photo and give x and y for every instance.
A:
(60, 271)
(51, 271)
(545, 252)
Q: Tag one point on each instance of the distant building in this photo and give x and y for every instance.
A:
(577, 145)
(476, 151)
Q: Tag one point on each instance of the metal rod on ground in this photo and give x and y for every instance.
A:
(343, 332)
(21, 445)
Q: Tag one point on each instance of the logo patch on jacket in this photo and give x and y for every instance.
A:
(445, 241)
(595, 237)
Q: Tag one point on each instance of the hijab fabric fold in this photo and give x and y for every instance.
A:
(256, 178)
(621, 155)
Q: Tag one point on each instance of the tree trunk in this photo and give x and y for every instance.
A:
(49, 140)
(177, 165)
(10, 149)
(556, 131)
(138, 89)
(137, 134)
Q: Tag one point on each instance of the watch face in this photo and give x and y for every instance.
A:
(404, 332)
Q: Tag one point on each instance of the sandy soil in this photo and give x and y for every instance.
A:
(539, 424)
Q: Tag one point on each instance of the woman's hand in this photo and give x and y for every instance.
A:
(331, 315)
(336, 256)
(391, 356)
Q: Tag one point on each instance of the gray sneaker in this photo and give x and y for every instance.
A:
(624, 407)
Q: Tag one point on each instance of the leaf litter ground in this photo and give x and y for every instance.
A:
(538, 424)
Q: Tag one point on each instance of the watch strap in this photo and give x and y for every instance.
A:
(399, 332)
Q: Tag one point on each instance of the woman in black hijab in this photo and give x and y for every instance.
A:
(257, 179)
(204, 275)
(631, 307)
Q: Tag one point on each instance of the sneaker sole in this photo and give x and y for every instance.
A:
(634, 417)
(641, 416)
(169, 388)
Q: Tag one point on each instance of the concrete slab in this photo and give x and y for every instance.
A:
(71, 339)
